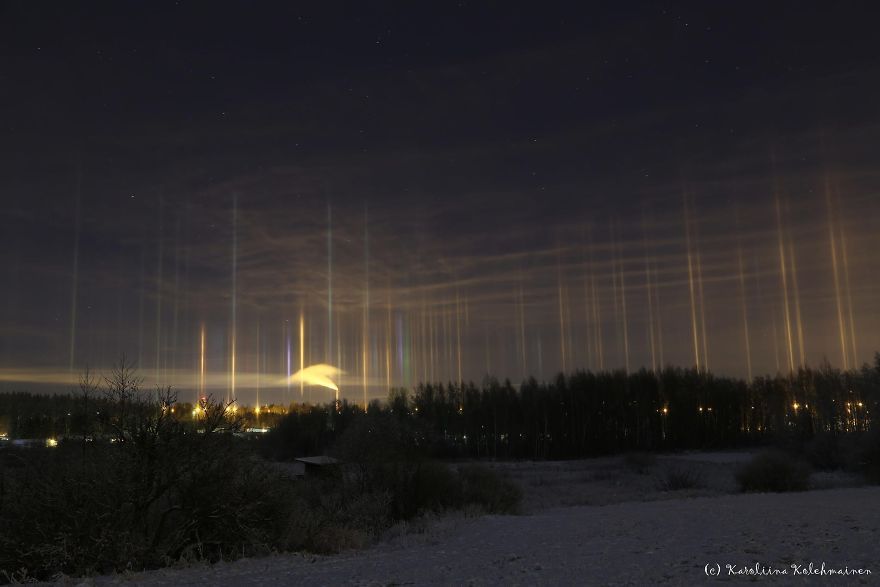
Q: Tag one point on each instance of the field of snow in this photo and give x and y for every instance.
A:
(634, 536)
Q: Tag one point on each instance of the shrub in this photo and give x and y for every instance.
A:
(158, 493)
(678, 478)
(436, 487)
(489, 489)
(384, 454)
(774, 471)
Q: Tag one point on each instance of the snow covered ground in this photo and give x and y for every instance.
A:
(660, 537)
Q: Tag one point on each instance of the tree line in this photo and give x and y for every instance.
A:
(576, 415)
(586, 414)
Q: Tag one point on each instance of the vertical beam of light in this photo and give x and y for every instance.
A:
(775, 341)
(75, 272)
(650, 295)
(286, 335)
(339, 343)
(588, 324)
(691, 288)
(659, 315)
(849, 303)
(365, 343)
(651, 319)
(233, 333)
(451, 320)
(329, 285)
(521, 311)
(784, 276)
(444, 351)
(467, 329)
(615, 309)
(259, 365)
(561, 316)
(282, 358)
(744, 309)
(141, 304)
(514, 309)
(400, 348)
(458, 335)
(702, 305)
(413, 339)
(622, 276)
(426, 365)
(431, 348)
(572, 332)
(797, 303)
(458, 344)
(615, 291)
(448, 342)
(186, 311)
(589, 327)
(403, 347)
(423, 337)
(440, 340)
(651, 322)
(388, 341)
(302, 350)
(440, 344)
(202, 363)
(309, 344)
(701, 298)
(175, 317)
(597, 312)
(159, 255)
(841, 325)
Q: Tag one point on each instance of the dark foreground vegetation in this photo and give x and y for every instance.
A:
(139, 480)
(142, 484)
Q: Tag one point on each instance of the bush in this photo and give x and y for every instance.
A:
(111, 511)
(437, 488)
(489, 489)
(325, 520)
(148, 491)
(385, 454)
(384, 477)
(678, 478)
(774, 471)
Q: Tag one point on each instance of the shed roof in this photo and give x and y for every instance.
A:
(319, 460)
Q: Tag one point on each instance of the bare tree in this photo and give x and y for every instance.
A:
(88, 389)
(121, 389)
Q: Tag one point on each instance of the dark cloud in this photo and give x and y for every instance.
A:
(517, 173)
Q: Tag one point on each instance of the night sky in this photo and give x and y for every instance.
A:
(422, 191)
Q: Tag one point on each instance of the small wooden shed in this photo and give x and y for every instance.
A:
(315, 465)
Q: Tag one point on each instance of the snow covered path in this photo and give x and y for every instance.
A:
(634, 543)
